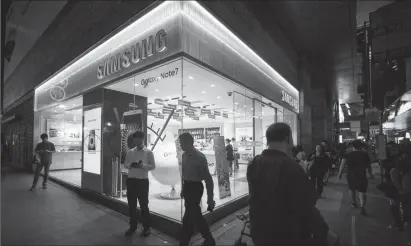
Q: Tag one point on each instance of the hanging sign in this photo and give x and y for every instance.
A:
(184, 103)
(158, 101)
(217, 113)
(211, 116)
(225, 115)
(205, 111)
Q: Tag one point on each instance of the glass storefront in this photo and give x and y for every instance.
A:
(179, 95)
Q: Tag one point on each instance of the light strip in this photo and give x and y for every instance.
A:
(104, 48)
(277, 77)
(115, 41)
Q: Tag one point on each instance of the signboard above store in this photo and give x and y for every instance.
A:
(285, 97)
(139, 51)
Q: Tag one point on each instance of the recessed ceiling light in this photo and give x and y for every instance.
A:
(236, 103)
(156, 90)
(190, 77)
(136, 84)
(245, 106)
(218, 97)
(62, 106)
(212, 85)
(203, 92)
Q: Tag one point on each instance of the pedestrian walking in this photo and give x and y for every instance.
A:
(318, 166)
(139, 161)
(357, 162)
(44, 152)
(282, 200)
(195, 171)
(401, 178)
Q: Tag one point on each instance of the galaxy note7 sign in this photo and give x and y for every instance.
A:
(137, 52)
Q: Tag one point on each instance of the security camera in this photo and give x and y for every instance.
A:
(229, 93)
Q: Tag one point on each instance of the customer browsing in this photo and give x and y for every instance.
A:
(139, 161)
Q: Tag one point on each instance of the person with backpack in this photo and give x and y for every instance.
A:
(282, 200)
(401, 178)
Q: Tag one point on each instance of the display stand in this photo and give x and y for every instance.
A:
(172, 195)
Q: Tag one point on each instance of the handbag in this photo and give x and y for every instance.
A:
(35, 162)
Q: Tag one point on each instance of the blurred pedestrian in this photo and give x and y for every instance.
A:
(282, 201)
(401, 178)
(357, 162)
(318, 165)
(195, 171)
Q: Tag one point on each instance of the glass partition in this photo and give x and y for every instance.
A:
(64, 126)
(165, 101)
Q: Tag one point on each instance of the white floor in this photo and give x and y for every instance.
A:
(173, 209)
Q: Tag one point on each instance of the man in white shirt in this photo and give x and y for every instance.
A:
(139, 161)
(195, 171)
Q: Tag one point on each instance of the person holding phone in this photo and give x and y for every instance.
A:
(139, 161)
(44, 151)
(195, 171)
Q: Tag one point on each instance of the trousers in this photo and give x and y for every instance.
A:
(138, 189)
(193, 218)
(38, 172)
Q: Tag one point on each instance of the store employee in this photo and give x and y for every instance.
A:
(139, 161)
(195, 170)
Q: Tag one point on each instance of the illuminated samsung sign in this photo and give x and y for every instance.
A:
(285, 97)
(134, 54)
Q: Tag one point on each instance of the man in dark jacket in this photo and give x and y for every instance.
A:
(282, 199)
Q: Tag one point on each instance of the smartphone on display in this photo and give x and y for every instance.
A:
(92, 140)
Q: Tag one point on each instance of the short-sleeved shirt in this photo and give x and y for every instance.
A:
(194, 166)
(357, 163)
(144, 155)
(45, 157)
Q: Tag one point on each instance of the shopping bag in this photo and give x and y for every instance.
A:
(35, 162)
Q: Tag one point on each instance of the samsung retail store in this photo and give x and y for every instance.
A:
(174, 69)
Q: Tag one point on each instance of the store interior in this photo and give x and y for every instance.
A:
(201, 102)
(63, 124)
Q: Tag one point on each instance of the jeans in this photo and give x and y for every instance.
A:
(193, 218)
(137, 189)
(38, 172)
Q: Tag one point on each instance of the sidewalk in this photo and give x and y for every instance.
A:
(57, 216)
(352, 228)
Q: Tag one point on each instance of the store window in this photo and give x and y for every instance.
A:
(291, 119)
(63, 125)
(181, 96)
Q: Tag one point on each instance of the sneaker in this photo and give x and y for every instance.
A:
(209, 242)
(363, 212)
(129, 232)
(353, 205)
(44, 186)
(145, 233)
(399, 228)
(32, 188)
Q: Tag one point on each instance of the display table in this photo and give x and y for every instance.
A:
(66, 160)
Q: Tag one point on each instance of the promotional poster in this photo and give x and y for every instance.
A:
(222, 167)
(92, 141)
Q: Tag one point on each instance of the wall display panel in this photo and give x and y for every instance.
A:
(92, 141)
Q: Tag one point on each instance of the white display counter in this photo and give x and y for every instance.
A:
(66, 160)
